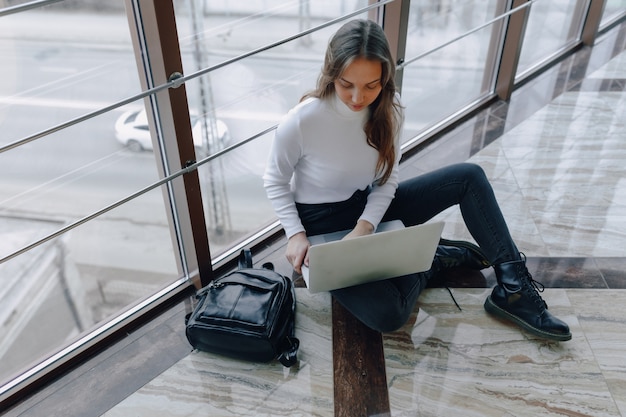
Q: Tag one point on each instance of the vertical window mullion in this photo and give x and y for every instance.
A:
(511, 49)
(592, 21)
(157, 51)
(395, 23)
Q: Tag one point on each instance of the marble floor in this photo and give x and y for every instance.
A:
(555, 155)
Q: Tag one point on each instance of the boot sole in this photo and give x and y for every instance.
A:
(470, 246)
(495, 310)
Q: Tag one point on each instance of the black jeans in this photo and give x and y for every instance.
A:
(386, 305)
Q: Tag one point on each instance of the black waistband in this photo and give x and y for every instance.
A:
(358, 197)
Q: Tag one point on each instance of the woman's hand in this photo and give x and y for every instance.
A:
(362, 228)
(298, 251)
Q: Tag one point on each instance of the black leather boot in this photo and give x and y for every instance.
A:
(458, 254)
(516, 298)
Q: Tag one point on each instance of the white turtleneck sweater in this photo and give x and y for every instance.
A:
(320, 155)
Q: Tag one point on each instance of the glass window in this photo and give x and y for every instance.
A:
(58, 291)
(440, 83)
(61, 63)
(612, 10)
(549, 29)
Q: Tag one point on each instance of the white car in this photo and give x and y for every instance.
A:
(132, 131)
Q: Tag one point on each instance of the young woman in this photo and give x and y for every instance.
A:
(334, 166)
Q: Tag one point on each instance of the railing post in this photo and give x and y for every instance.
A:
(511, 49)
(157, 51)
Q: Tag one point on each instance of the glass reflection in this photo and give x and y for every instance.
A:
(54, 293)
(440, 83)
(550, 27)
(612, 10)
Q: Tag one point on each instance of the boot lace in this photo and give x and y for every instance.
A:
(532, 288)
(439, 264)
(452, 296)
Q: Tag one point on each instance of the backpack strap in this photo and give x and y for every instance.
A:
(289, 355)
(245, 259)
(289, 346)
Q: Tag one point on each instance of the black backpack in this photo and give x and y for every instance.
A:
(247, 314)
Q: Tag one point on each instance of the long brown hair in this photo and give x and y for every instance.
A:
(366, 39)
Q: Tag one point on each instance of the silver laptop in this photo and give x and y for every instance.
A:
(394, 250)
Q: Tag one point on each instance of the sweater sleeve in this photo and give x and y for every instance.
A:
(285, 153)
